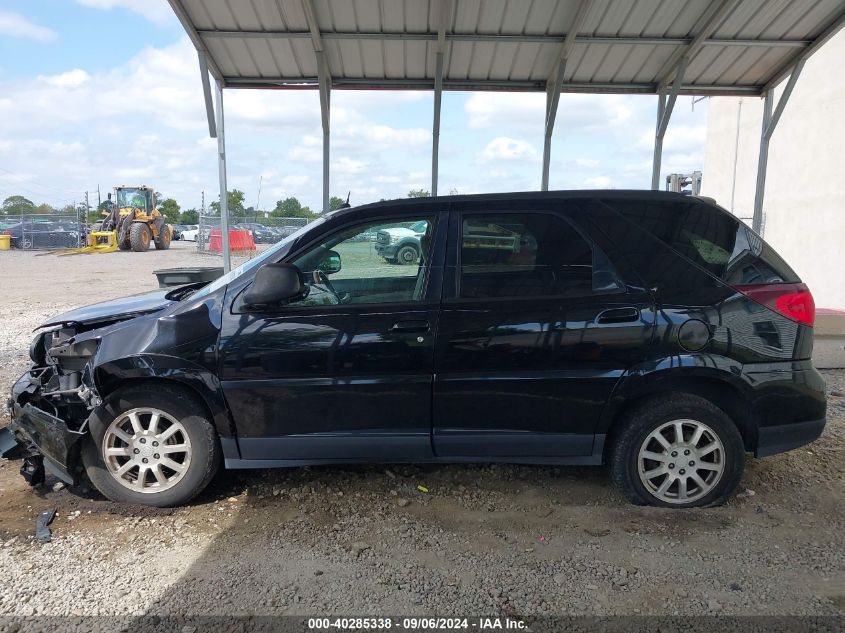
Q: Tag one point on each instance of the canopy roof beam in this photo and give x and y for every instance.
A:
(510, 85)
(711, 22)
(554, 84)
(516, 39)
(815, 45)
(770, 121)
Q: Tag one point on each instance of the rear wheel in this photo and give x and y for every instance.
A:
(677, 450)
(139, 237)
(165, 234)
(150, 445)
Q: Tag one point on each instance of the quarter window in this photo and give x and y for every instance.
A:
(523, 255)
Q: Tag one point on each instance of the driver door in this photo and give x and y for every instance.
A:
(344, 372)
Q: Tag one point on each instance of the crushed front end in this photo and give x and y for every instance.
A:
(51, 403)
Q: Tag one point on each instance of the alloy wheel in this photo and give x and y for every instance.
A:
(147, 450)
(681, 461)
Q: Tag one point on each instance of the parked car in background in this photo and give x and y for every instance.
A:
(399, 244)
(189, 233)
(260, 233)
(47, 234)
(651, 331)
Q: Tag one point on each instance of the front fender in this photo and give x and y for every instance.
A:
(112, 374)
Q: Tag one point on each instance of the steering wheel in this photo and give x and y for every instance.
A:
(319, 277)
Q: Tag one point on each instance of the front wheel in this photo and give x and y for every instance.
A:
(139, 237)
(407, 255)
(677, 450)
(150, 445)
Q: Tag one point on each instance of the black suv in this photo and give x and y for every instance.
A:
(648, 330)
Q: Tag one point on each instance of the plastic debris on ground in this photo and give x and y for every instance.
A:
(42, 532)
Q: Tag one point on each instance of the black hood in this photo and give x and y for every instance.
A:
(114, 310)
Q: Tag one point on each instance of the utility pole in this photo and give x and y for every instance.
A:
(202, 208)
(99, 200)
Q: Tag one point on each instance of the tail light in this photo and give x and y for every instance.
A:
(794, 301)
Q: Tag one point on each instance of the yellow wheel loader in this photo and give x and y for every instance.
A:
(136, 221)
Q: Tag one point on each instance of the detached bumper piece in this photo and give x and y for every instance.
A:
(43, 435)
(9, 447)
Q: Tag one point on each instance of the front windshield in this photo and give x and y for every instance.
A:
(133, 198)
(266, 256)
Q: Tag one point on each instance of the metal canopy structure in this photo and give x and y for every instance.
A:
(662, 47)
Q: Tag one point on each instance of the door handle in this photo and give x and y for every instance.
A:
(619, 315)
(410, 327)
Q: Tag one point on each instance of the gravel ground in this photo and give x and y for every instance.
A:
(506, 540)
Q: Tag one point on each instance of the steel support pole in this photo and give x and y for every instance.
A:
(658, 142)
(547, 144)
(762, 161)
(325, 117)
(435, 128)
(665, 106)
(326, 196)
(224, 191)
(770, 121)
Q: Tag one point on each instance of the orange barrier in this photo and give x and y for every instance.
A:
(238, 241)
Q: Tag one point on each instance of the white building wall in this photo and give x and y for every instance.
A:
(804, 204)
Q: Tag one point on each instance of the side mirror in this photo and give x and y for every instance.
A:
(330, 264)
(274, 284)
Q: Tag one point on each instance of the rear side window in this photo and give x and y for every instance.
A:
(710, 238)
(526, 255)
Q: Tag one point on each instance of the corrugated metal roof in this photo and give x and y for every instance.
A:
(621, 46)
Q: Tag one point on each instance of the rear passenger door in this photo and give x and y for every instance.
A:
(536, 328)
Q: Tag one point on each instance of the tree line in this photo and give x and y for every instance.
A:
(289, 207)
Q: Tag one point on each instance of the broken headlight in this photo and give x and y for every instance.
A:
(72, 355)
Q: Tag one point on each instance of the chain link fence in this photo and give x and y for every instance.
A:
(247, 235)
(44, 231)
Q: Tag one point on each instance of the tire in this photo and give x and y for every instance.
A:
(407, 256)
(165, 234)
(659, 414)
(139, 237)
(196, 432)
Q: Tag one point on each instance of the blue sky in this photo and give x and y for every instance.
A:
(106, 92)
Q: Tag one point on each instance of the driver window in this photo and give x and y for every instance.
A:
(378, 262)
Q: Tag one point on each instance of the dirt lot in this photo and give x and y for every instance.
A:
(492, 540)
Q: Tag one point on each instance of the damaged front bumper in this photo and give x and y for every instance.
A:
(39, 431)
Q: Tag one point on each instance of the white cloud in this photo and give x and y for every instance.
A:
(69, 79)
(503, 148)
(598, 182)
(588, 163)
(157, 11)
(346, 165)
(16, 25)
(527, 111)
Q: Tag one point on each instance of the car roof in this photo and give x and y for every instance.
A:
(441, 203)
